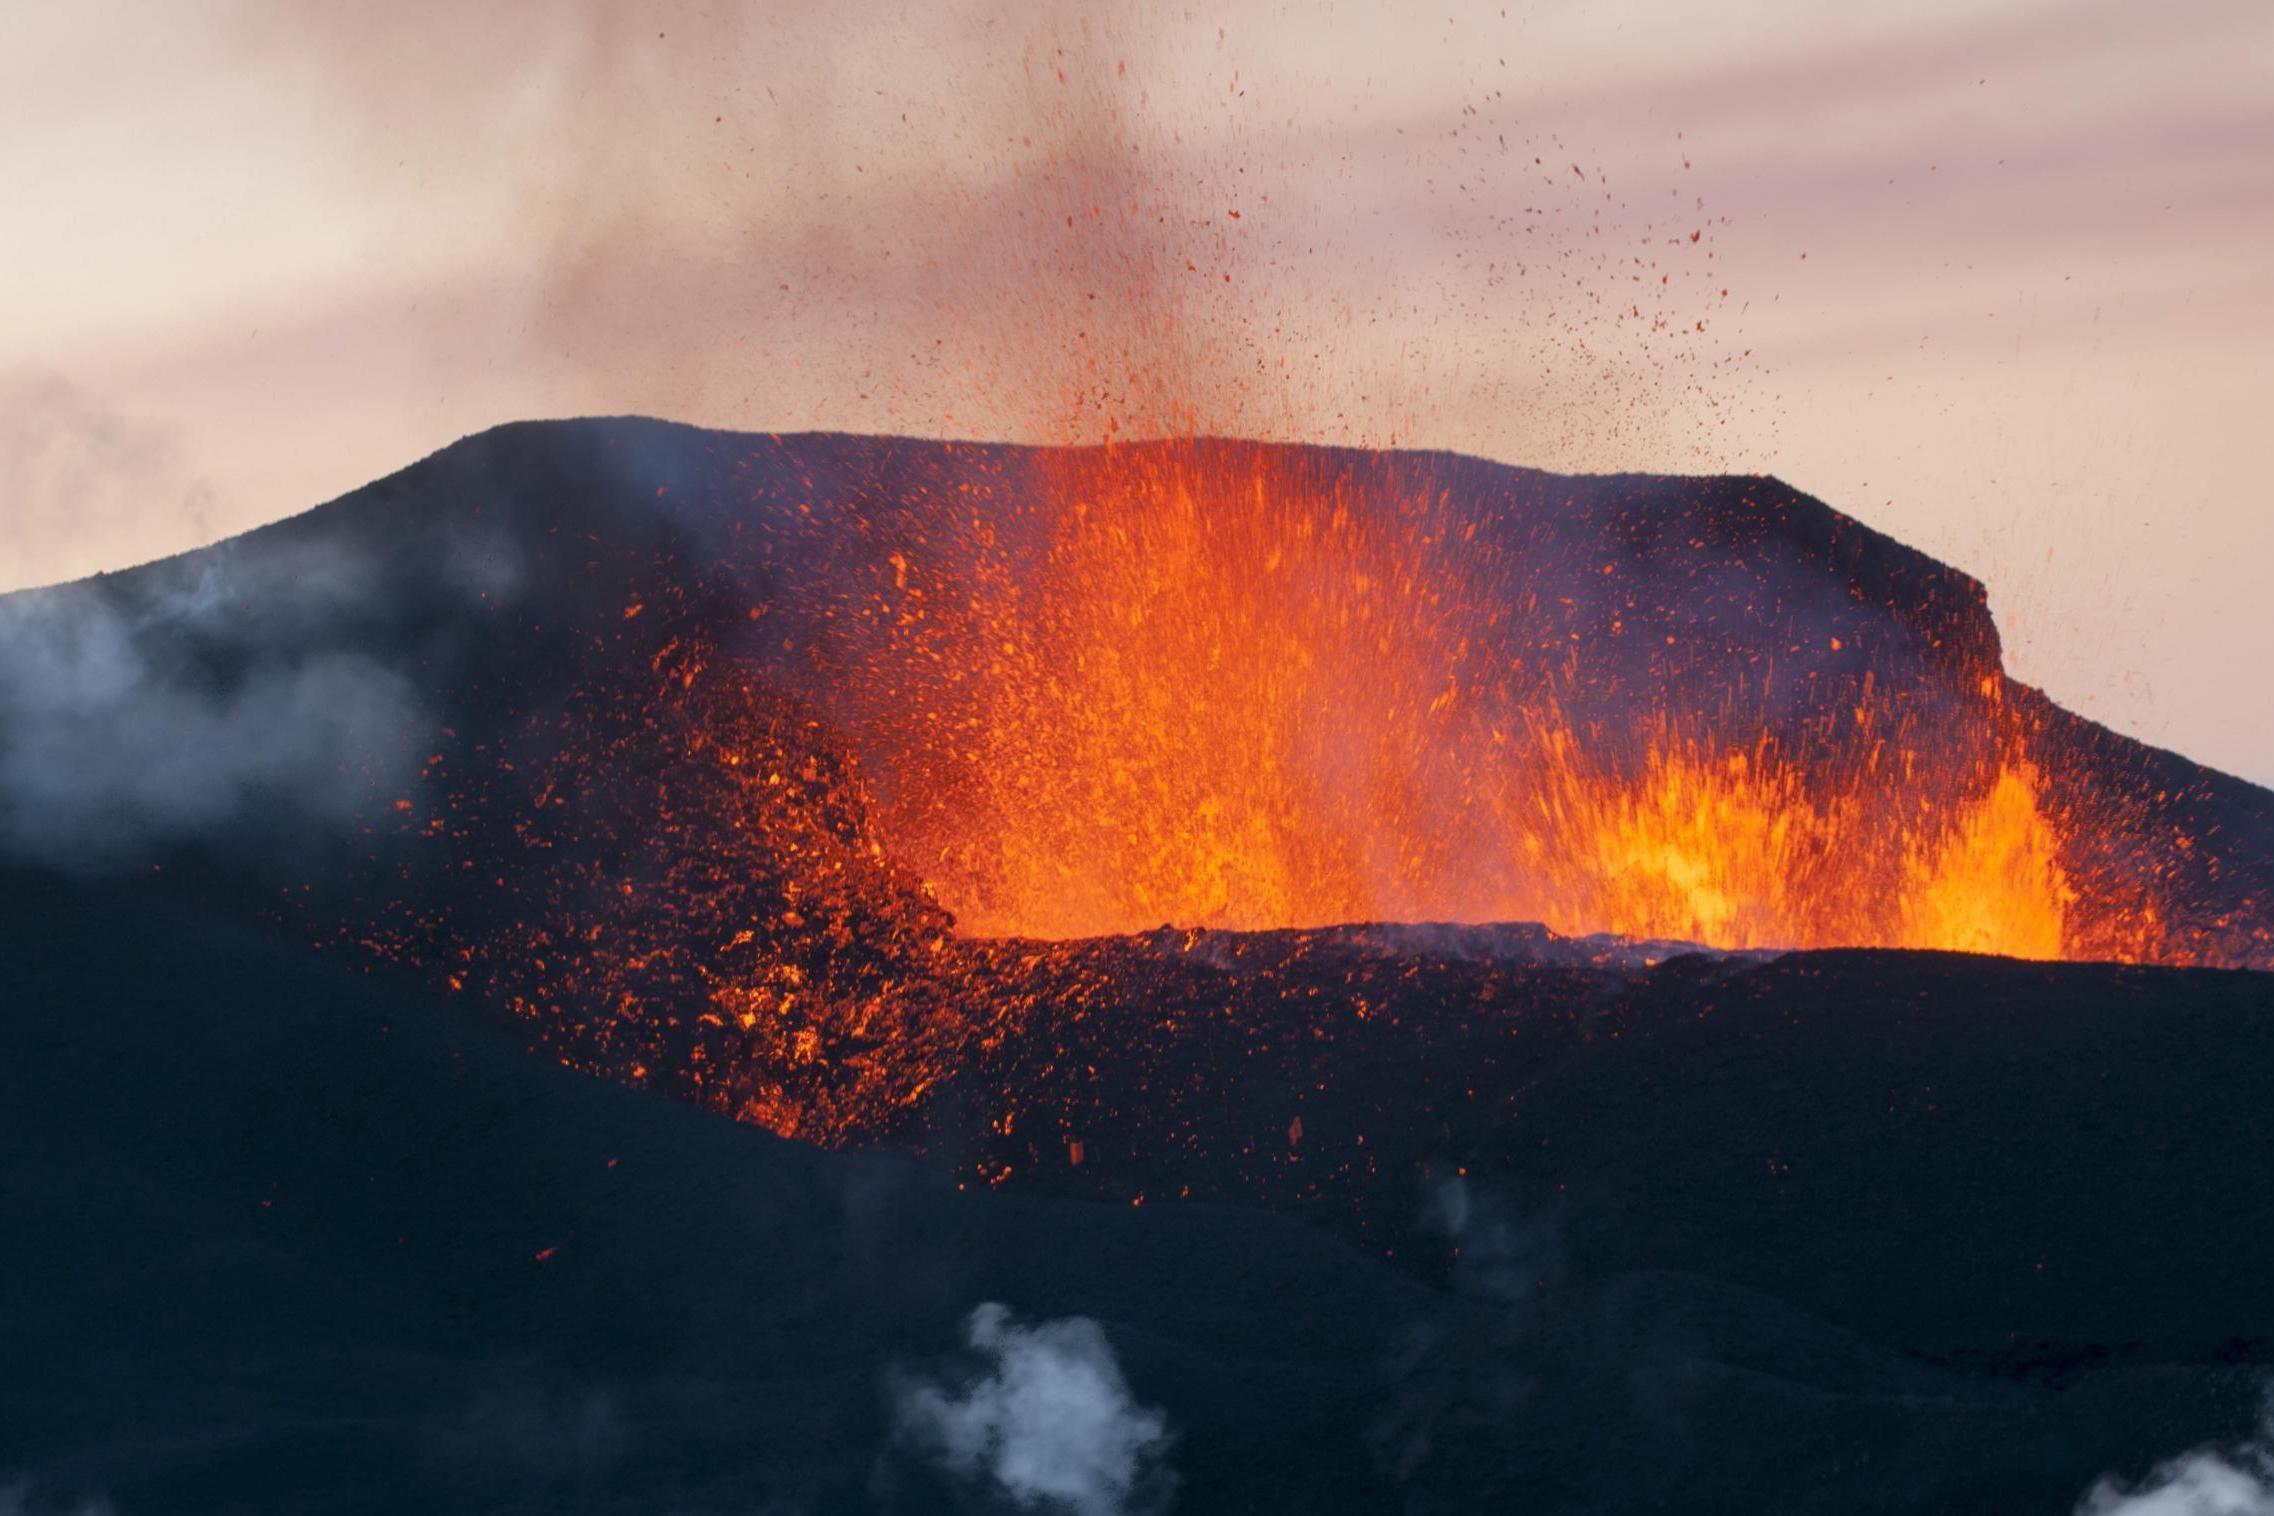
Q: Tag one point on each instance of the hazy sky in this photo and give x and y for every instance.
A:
(1996, 278)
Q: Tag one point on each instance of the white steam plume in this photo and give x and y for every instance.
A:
(2209, 1481)
(104, 756)
(1051, 1422)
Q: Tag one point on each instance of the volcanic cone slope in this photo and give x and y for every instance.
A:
(280, 1240)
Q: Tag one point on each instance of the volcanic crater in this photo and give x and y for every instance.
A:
(852, 786)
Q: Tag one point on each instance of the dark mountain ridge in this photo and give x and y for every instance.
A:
(568, 738)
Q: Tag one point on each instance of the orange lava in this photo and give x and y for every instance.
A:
(1747, 850)
(1229, 697)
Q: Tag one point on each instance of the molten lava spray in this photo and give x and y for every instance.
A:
(1213, 685)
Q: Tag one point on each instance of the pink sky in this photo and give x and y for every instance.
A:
(2000, 278)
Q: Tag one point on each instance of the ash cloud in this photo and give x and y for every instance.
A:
(1070, 243)
(1048, 1421)
(2208, 1481)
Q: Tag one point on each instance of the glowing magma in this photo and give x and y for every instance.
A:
(1234, 696)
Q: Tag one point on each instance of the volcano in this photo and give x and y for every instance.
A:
(1625, 940)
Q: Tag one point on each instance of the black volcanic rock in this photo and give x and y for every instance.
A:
(279, 1241)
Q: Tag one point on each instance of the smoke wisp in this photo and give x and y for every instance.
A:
(1497, 1253)
(2207, 1481)
(219, 699)
(1049, 1422)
